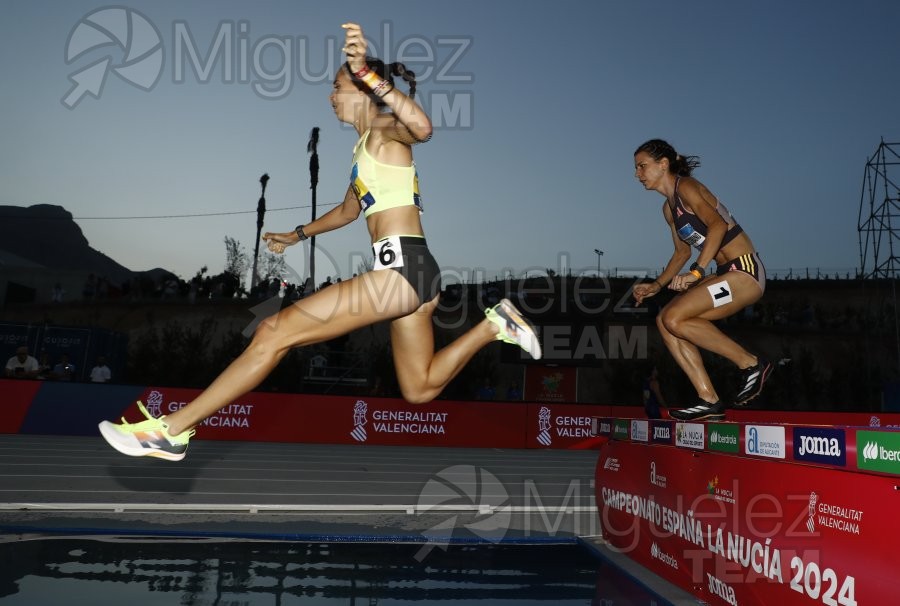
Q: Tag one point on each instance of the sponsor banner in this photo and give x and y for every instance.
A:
(609, 464)
(821, 445)
(878, 451)
(724, 437)
(765, 441)
(662, 432)
(621, 429)
(837, 419)
(736, 530)
(640, 430)
(603, 426)
(551, 384)
(561, 425)
(264, 417)
(690, 435)
(81, 345)
(13, 336)
(73, 342)
(657, 478)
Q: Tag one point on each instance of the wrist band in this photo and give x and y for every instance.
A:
(378, 85)
(371, 79)
(382, 88)
(698, 270)
(658, 283)
(301, 234)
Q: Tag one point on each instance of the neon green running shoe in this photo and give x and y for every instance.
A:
(148, 438)
(514, 328)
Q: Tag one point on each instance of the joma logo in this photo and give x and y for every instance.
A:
(829, 447)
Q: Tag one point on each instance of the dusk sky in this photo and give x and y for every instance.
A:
(538, 108)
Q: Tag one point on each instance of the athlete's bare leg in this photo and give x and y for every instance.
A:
(688, 358)
(422, 373)
(686, 325)
(331, 312)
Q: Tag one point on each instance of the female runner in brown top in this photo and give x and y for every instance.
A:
(697, 218)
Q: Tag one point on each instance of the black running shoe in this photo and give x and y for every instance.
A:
(752, 381)
(702, 411)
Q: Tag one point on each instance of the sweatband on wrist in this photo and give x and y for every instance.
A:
(382, 88)
(377, 85)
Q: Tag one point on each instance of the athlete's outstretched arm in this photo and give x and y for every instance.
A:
(344, 213)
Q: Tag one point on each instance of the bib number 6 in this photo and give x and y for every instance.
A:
(388, 253)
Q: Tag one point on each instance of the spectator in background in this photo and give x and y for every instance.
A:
(317, 365)
(64, 370)
(513, 392)
(58, 293)
(101, 372)
(22, 365)
(45, 368)
(653, 398)
(486, 391)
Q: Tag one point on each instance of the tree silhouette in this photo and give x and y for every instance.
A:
(237, 261)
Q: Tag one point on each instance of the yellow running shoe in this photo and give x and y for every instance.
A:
(148, 438)
(514, 328)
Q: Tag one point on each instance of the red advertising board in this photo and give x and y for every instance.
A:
(739, 530)
(864, 419)
(265, 417)
(15, 400)
(562, 425)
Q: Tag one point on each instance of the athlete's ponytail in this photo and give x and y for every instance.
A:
(398, 69)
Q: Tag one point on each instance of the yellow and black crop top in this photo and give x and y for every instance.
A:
(380, 186)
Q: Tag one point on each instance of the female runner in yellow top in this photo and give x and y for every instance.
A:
(403, 287)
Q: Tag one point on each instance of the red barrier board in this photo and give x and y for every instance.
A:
(561, 425)
(736, 530)
(15, 400)
(875, 450)
(856, 419)
(265, 417)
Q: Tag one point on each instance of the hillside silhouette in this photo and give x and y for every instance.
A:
(47, 234)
